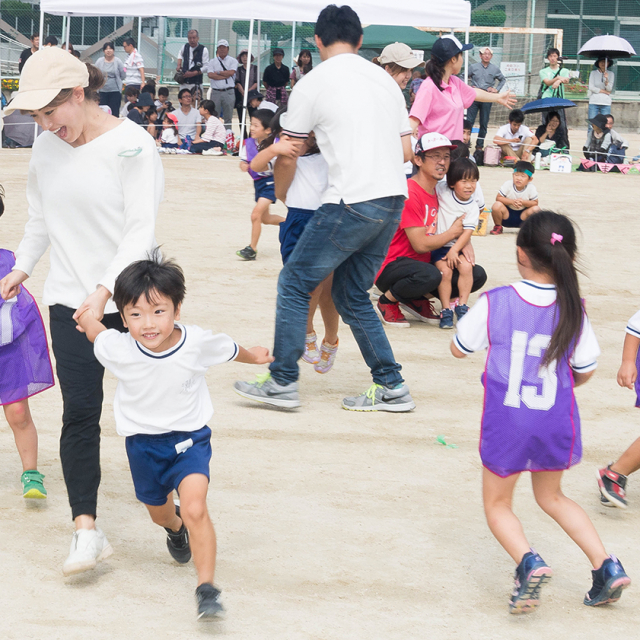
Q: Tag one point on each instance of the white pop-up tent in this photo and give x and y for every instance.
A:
(418, 13)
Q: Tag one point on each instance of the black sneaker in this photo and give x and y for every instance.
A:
(247, 253)
(608, 583)
(461, 311)
(178, 542)
(209, 602)
(531, 574)
(613, 487)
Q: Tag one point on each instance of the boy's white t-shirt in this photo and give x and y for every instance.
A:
(523, 132)
(450, 209)
(633, 326)
(508, 190)
(162, 392)
(169, 136)
(309, 183)
(472, 333)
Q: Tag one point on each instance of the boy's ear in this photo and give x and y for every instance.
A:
(176, 314)
(124, 322)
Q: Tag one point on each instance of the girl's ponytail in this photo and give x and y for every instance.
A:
(435, 70)
(549, 240)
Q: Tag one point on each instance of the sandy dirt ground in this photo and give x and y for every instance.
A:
(330, 524)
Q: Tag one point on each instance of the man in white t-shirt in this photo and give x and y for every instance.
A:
(193, 60)
(514, 138)
(133, 65)
(360, 121)
(189, 119)
(222, 71)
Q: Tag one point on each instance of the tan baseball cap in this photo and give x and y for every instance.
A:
(45, 74)
(400, 54)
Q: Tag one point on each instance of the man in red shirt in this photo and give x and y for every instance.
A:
(407, 275)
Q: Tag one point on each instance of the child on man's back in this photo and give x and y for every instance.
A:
(516, 200)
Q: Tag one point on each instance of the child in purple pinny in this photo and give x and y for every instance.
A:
(612, 479)
(540, 346)
(25, 369)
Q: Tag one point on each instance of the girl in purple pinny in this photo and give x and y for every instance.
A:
(540, 346)
(25, 369)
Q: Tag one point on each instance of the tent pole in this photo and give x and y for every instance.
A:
(466, 57)
(64, 28)
(139, 34)
(68, 32)
(258, 53)
(246, 85)
(35, 124)
(215, 38)
(293, 43)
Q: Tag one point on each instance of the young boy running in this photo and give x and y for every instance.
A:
(162, 406)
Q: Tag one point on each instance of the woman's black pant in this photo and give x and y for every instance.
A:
(80, 375)
(113, 100)
(408, 279)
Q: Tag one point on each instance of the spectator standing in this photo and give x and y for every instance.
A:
(29, 51)
(51, 41)
(484, 75)
(113, 71)
(304, 64)
(133, 65)
(359, 118)
(398, 60)
(189, 119)
(442, 98)
(275, 79)
(241, 76)
(222, 71)
(600, 88)
(193, 59)
(553, 76)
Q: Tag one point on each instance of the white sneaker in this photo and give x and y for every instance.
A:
(88, 547)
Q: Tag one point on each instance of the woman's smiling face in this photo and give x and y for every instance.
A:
(65, 120)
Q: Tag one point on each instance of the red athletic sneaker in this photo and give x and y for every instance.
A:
(390, 314)
(421, 309)
(496, 231)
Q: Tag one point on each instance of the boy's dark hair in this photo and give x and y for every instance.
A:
(551, 50)
(210, 106)
(556, 260)
(75, 53)
(149, 88)
(155, 275)
(522, 165)
(183, 91)
(462, 169)
(163, 91)
(466, 125)
(52, 40)
(338, 24)
(516, 116)
(461, 150)
(108, 45)
(129, 40)
(131, 91)
(612, 118)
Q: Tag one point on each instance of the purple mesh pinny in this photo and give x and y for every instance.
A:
(530, 420)
(25, 367)
(637, 384)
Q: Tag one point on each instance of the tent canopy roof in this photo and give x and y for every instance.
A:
(422, 13)
(378, 37)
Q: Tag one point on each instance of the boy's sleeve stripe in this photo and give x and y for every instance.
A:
(633, 332)
(295, 134)
(504, 195)
(461, 346)
(235, 352)
(586, 367)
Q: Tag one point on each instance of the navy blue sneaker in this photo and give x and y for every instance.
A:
(446, 319)
(531, 574)
(608, 582)
(178, 542)
(461, 311)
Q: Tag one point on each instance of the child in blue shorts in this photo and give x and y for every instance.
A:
(162, 406)
(263, 183)
(516, 200)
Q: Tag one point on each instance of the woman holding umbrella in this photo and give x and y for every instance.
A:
(600, 88)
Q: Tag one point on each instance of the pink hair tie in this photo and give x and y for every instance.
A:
(556, 237)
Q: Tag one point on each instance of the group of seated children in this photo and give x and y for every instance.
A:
(604, 144)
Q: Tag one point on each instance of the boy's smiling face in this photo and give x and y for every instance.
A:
(152, 322)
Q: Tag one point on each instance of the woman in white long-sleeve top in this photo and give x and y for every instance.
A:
(86, 201)
(600, 88)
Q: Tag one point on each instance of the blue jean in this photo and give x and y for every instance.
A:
(485, 113)
(595, 109)
(351, 242)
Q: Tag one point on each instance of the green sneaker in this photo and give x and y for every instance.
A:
(32, 486)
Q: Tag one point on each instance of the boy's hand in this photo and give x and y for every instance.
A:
(627, 375)
(244, 166)
(517, 204)
(260, 355)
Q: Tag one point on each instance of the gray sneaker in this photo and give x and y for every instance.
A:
(379, 398)
(266, 389)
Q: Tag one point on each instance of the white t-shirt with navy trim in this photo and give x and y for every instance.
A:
(162, 392)
(522, 134)
(508, 190)
(450, 208)
(633, 326)
(473, 333)
(309, 183)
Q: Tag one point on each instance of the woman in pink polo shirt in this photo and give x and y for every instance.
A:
(442, 98)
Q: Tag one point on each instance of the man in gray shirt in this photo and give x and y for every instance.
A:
(483, 75)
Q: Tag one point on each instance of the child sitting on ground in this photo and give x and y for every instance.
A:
(138, 113)
(619, 146)
(163, 98)
(170, 139)
(599, 139)
(213, 138)
(130, 98)
(152, 120)
(467, 128)
(516, 200)
(515, 139)
(456, 198)
(162, 407)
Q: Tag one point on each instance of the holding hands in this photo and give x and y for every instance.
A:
(10, 284)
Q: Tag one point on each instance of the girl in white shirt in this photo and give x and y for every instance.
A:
(170, 139)
(215, 133)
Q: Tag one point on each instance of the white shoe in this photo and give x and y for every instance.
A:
(88, 547)
(216, 151)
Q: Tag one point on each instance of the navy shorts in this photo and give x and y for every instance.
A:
(439, 254)
(291, 230)
(265, 188)
(514, 220)
(159, 463)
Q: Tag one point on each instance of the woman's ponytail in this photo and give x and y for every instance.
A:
(435, 70)
(549, 240)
